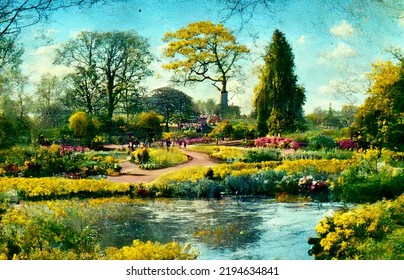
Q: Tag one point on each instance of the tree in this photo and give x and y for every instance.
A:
(207, 106)
(317, 117)
(347, 115)
(172, 104)
(223, 129)
(18, 14)
(49, 105)
(147, 126)
(379, 121)
(78, 123)
(278, 98)
(203, 51)
(10, 61)
(117, 60)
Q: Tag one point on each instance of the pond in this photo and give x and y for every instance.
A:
(229, 229)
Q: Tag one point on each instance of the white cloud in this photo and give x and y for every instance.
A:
(343, 30)
(301, 40)
(40, 62)
(342, 51)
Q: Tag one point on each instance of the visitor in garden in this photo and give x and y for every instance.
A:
(168, 143)
(131, 141)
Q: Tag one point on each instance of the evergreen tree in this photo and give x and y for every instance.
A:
(278, 97)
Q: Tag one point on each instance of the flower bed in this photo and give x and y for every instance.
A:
(277, 142)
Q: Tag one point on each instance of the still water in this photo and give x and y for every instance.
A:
(230, 229)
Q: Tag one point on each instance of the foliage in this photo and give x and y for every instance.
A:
(322, 142)
(67, 229)
(379, 121)
(56, 161)
(222, 130)
(321, 154)
(151, 251)
(119, 60)
(313, 167)
(275, 142)
(370, 179)
(278, 98)
(259, 155)
(194, 174)
(204, 51)
(200, 140)
(147, 126)
(15, 127)
(51, 231)
(159, 158)
(243, 130)
(174, 105)
(365, 232)
(346, 144)
(228, 154)
(258, 183)
(79, 123)
(333, 118)
(48, 188)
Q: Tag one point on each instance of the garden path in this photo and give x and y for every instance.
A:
(133, 174)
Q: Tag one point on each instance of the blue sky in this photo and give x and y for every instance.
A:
(332, 48)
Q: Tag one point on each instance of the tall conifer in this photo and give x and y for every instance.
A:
(278, 98)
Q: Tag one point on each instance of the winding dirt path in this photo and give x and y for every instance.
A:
(133, 174)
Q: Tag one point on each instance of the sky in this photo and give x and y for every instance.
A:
(333, 48)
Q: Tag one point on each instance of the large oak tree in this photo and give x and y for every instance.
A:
(174, 105)
(109, 64)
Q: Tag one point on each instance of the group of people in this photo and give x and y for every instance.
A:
(180, 143)
(135, 143)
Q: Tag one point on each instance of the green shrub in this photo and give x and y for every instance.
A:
(289, 184)
(260, 183)
(259, 155)
(357, 186)
(141, 156)
(322, 142)
(266, 181)
(203, 188)
(322, 154)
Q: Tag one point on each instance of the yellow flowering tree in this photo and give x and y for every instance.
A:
(204, 51)
(380, 120)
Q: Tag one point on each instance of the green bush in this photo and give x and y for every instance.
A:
(204, 188)
(266, 181)
(322, 142)
(322, 154)
(357, 186)
(259, 155)
(260, 183)
(141, 156)
(289, 184)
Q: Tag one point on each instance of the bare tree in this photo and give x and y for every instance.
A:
(17, 14)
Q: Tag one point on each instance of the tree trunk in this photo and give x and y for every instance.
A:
(224, 102)
(224, 97)
(111, 98)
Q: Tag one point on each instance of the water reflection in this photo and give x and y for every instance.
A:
(219, 229)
